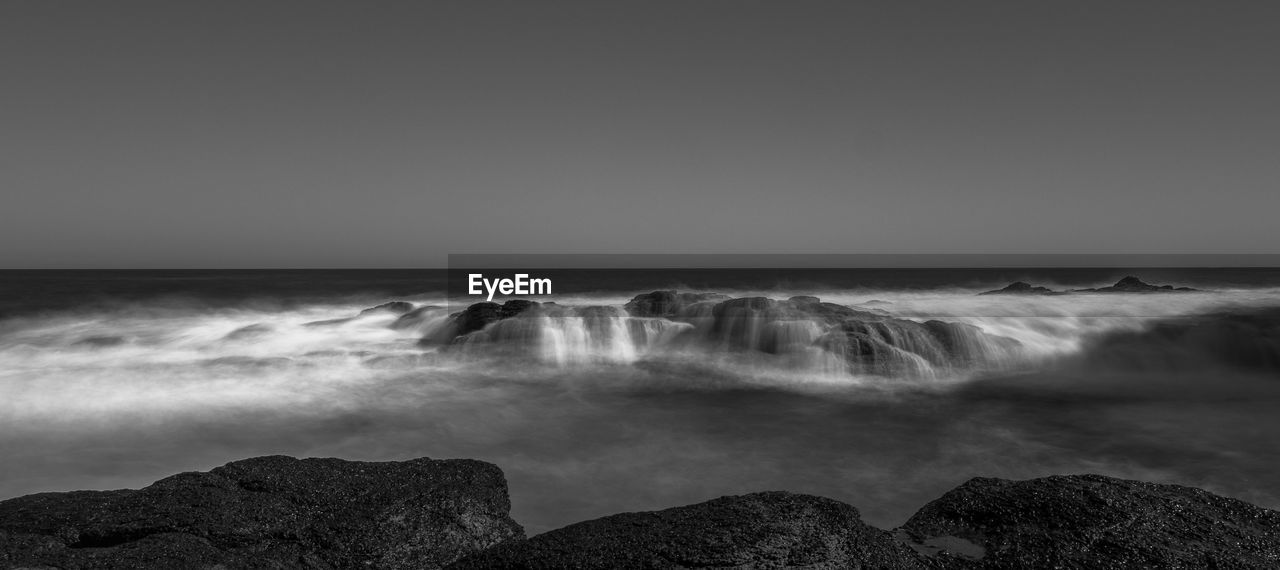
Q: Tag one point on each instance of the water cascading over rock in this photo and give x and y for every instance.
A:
(802, 331)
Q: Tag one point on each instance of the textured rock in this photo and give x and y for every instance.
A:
(667, 303)
(269, 512)
(1091, 521)
(761, 530)
(479, 315)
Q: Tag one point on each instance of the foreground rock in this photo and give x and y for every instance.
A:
(280, 512)
(269, 512)
(761, 530)
(1091, 521)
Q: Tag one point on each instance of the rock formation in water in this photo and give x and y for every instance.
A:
(667, 304)
(826, 336)
(279, 512)
(1022, 288)
(393, 308)
(760, 530)
(1132, 284)
(416, 317)
(269, 512)
(1129, 284)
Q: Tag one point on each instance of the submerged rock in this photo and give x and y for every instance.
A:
(416, 317)
(100, 341)
(393, 307)
(1092, 521)
(269, 512)
(256, 330)
(760, 530)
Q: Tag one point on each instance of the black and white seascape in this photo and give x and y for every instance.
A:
(880, 388)
(748, 284)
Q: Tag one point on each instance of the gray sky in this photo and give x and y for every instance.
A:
(390, 134)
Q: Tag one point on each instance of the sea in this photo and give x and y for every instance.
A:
(593, 405)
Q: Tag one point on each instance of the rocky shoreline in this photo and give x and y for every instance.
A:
(281, 512)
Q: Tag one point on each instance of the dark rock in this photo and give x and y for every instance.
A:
(1132, 284)
(1091, 521)
(804, 300)
(1020, 288)
(479, 315)
(761, 530)
(833, 313)
(269, 512)
(476, 316)
(667, 304)
(515, 307)
(393, 307)
(968, 344)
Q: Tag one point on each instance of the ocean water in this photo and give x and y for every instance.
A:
(112, 379)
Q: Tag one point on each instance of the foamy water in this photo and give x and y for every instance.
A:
(598, 421)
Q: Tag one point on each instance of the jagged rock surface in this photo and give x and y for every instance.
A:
(1092, 521)
(760, 530)
(269, 512)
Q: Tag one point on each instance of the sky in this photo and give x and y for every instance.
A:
(391, 134)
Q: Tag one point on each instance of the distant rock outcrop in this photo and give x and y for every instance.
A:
(1129, 284)
(269, 512)
(761, 530)
(1021, 288)
(1091, 521)
(1132, 284)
